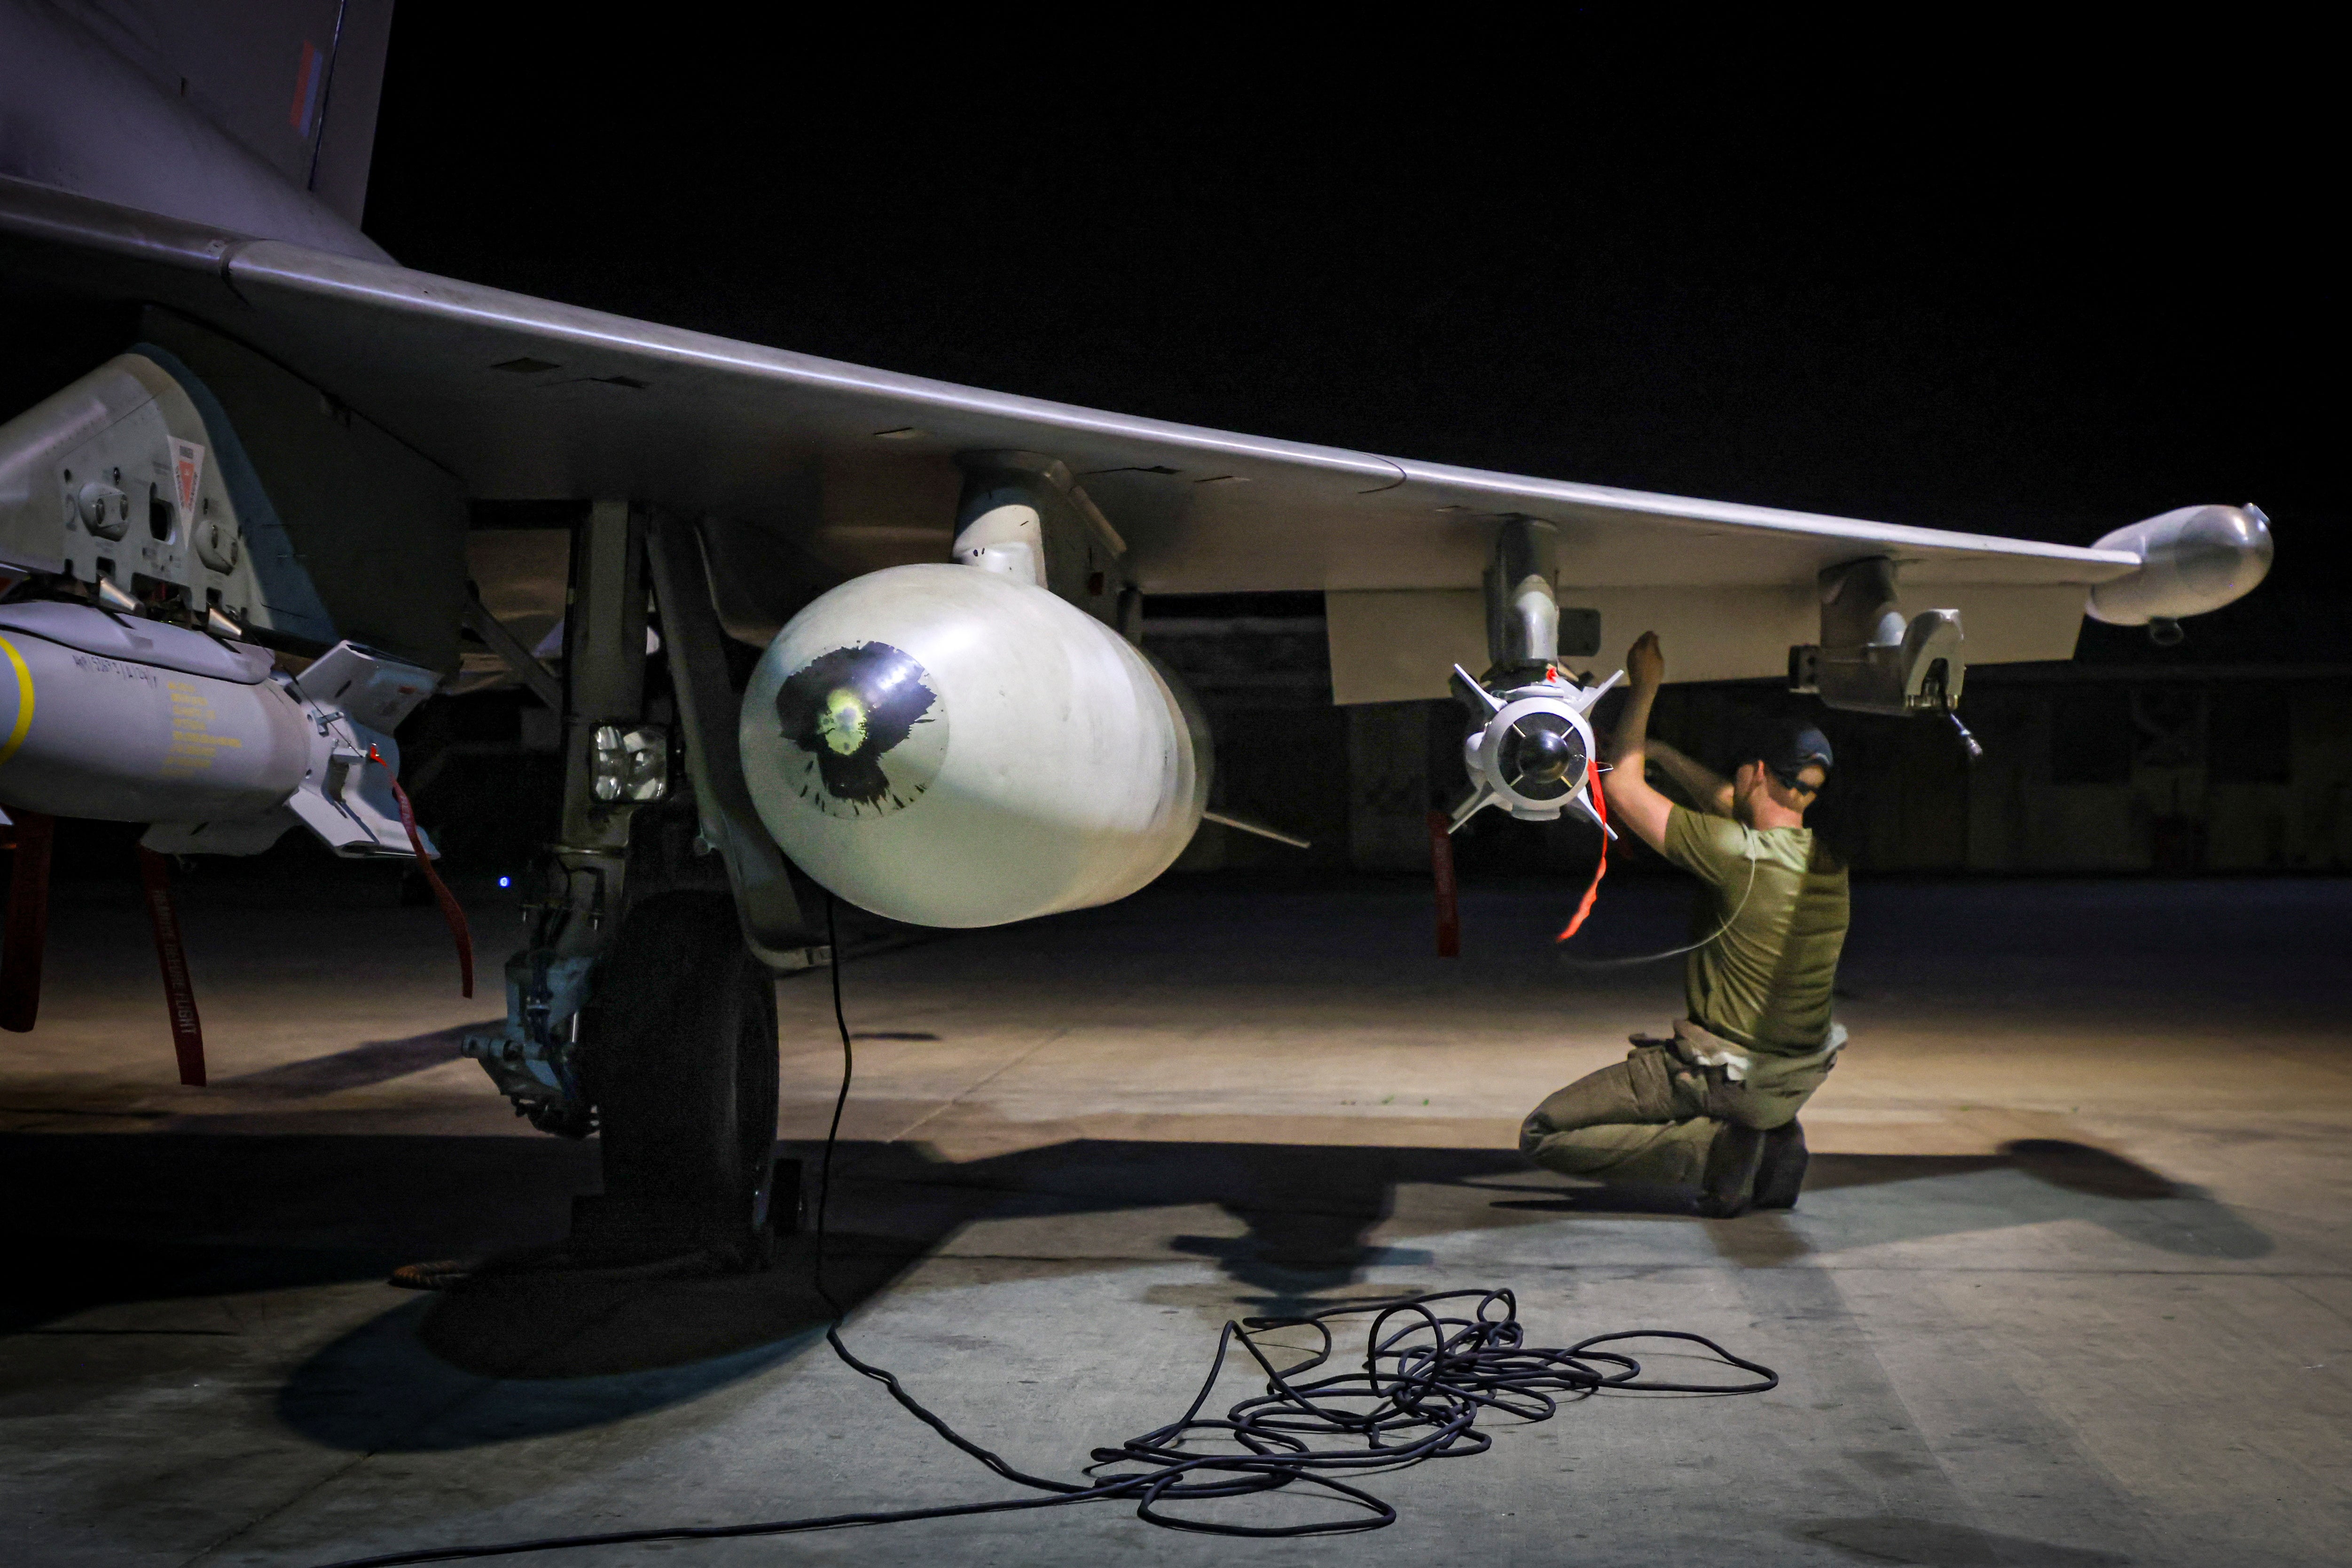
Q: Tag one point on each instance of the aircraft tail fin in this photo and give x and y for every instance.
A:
(352, 86)
(295, 82)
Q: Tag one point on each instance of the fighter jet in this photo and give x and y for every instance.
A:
(236, 558)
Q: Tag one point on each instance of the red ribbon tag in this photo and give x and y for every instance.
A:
(1600, 805)
(460, 933)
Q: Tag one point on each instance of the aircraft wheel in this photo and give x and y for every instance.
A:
(681, 1053)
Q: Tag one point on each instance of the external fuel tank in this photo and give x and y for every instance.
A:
(957, 747)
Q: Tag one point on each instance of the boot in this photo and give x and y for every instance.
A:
(1725, 1189)
(1781, 1170)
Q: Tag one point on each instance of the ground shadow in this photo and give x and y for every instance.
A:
(519, 1354)
(382, 1389)
(96, 1218)
(1932, 1544)
(2129, 1199)
(528, 1355)
(1827, 1173)
(2080, 1168)
(560, 1322)
(373, 1062)
(1306, 1210)
(147, 1217)
(54, 1277)
(1628, 1198)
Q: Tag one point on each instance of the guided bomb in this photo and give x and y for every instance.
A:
(136, 720)
(141, 697)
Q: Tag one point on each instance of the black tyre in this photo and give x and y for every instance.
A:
(680, 1051)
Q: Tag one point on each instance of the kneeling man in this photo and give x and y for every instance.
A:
(1716, 1105)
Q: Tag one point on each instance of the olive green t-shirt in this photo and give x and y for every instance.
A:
(1765, 982)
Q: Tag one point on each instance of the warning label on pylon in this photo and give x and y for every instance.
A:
(188, 468)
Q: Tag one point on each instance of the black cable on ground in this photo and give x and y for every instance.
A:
(1431, 1366)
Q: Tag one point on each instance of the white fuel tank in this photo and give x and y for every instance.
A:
(955, 747)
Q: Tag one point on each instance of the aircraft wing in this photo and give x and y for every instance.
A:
(524, 398)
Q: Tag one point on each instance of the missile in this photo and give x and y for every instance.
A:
(127, 720)
(1530, 750)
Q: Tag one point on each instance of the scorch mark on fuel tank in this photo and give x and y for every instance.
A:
(851, 714)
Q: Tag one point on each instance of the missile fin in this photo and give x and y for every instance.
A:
(1481, 796)
(1591, 695)
(1466, 686)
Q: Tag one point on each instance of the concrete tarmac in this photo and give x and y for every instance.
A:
(2071, 1283)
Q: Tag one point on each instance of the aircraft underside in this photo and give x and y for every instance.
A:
(960, 742)
(828, 633)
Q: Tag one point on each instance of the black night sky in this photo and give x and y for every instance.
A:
(2044, 302)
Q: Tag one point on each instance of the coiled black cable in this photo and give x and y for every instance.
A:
(1431, 1366)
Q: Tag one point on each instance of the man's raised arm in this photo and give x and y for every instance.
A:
(1708, 790)
(1631, 802)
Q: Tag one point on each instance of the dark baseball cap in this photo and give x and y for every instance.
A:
(1789, 746)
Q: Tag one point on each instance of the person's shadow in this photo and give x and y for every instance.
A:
(2027, 1181)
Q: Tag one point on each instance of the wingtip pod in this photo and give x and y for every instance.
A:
(2192, 559)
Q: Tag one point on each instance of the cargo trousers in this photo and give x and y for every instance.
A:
(1694, 1110)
